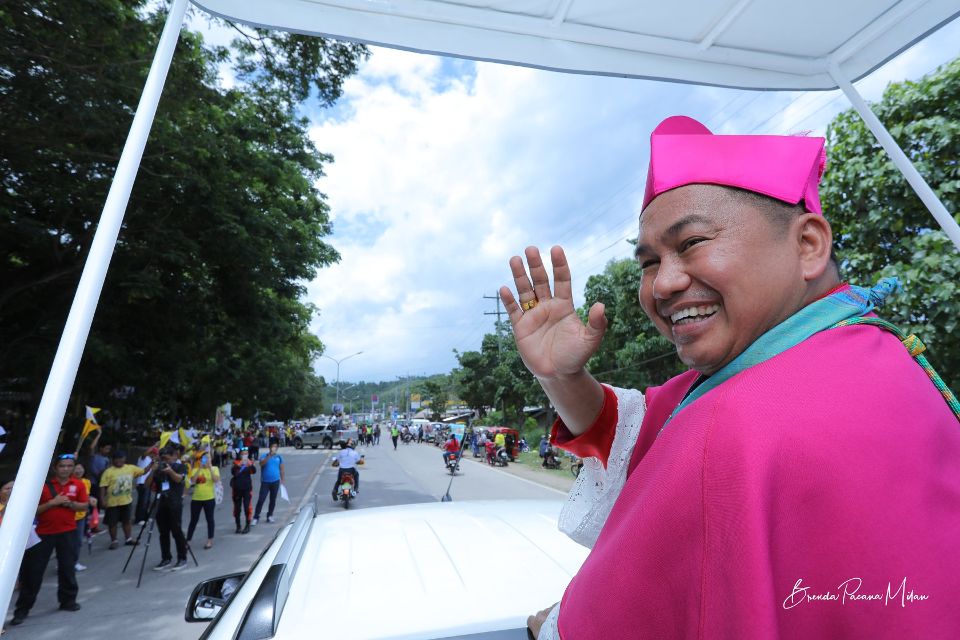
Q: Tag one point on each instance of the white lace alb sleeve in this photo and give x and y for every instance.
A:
(596, 489)
(549, 630)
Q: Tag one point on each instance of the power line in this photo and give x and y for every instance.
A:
(782, 110)
(821, 108)
(604, 207)
(742, 107)
(724, 107)
(469, 335)
(636, 364)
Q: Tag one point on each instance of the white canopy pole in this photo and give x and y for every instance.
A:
(35, 464)
(929, 198)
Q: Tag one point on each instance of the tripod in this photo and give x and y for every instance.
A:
(151, 519)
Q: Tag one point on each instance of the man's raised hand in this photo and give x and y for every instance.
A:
(552, 340)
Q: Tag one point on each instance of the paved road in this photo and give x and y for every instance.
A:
(423, 466)
(112, 603)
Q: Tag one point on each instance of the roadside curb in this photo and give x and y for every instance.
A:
(560, 484)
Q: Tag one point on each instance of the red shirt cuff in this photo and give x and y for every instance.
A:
(597, 440)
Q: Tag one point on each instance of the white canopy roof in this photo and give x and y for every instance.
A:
(754, 44)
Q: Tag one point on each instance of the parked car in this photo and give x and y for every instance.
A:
(321, 573)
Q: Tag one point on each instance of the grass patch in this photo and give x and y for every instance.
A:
(532, 460)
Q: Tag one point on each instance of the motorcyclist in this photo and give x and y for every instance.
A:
(550, 459)
(451, 448)
(500, 440)
(347, 460)
(491, 451)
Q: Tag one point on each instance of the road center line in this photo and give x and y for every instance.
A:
(312, 485)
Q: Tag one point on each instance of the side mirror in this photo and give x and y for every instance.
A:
(211, 596)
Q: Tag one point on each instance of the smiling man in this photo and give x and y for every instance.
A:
(806, 452)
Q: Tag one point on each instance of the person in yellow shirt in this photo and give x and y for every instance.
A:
(81, 516)
(5, 492)
(116, 494)
(203, 477)
(500, 440)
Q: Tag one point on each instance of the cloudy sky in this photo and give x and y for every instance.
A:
(445, 168)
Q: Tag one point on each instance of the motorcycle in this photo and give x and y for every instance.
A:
(346, 491)
(406, 438)
(550, 460)
(452, 462)
(576, 466)
(499, 458)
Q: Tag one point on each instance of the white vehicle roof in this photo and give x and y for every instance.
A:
(435, 570)
(769, 44)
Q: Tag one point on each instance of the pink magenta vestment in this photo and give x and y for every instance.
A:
(832, 468)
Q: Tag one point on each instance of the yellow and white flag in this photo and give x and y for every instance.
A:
(91, 424)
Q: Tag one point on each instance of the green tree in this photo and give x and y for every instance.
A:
(495, 377)
(476, 384)
(202, 303)
(437, 390)
(881, 228)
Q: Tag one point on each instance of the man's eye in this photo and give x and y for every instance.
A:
(647, 263)
(689, 243)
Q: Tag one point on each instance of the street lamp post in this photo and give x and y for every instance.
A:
(351, 400)
(338, 369)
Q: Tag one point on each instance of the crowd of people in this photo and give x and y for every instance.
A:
(106, 490)
(108, 494)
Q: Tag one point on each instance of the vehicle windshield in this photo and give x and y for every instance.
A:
(307, 281)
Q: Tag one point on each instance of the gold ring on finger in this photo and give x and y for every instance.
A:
(529, 304)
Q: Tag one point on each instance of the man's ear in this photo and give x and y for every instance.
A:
(814, 242)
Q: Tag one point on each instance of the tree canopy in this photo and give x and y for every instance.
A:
(880, 226)
(202, 303)
(495, 377)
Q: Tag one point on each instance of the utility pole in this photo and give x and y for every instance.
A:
(498, 312)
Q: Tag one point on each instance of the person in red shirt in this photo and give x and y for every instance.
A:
(451, 448)
(62, 496)
(491, 450)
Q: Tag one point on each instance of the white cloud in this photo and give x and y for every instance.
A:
(443, 171)
(437, 182)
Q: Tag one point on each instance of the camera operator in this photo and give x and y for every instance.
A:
(168, 478)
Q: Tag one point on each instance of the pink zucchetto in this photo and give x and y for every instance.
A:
(683, 151)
